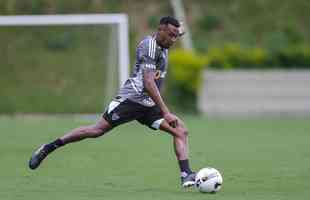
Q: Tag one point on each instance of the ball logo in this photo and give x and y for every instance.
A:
(204, 178)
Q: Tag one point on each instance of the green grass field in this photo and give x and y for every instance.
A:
(259, 159)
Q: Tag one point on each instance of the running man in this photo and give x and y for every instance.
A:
(139, 99)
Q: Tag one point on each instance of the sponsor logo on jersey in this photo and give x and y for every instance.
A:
(159, 74)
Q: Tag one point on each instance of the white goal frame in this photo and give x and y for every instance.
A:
(121, 20)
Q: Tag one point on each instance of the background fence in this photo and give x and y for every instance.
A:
(250, 93)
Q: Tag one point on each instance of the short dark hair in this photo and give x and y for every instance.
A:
(169, 20)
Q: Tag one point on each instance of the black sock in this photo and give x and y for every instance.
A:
(184, 167)
(54, 145)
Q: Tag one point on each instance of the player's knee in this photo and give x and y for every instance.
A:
(182, 132)
(185, 132)
(94, 132)
(99, 129)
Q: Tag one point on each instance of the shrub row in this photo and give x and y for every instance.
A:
(186, 67)
(234, 56)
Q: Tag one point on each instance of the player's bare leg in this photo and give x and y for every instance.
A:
(179, 139)
(78, 134)
(92, 131)
(180, 142)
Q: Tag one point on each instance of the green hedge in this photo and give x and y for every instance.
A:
(185, 76)
(185, 67)
(232, 56)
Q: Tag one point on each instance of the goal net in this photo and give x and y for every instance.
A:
(62, 63)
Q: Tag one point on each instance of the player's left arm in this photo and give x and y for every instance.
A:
(146, 55)
(152, 90)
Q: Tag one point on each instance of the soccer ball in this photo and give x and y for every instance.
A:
(208, 180)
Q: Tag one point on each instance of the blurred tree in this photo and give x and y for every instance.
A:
(49, 6)
(10, 6)
(153, 21)
(96, 5)
(209, 22)
(35, 5)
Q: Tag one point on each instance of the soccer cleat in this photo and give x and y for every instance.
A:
(38, 156)
(188, 180)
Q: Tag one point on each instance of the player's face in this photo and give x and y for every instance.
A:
(169, 35)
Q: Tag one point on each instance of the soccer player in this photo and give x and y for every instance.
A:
(139, 99)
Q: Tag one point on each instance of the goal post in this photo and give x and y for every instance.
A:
(81, 56)
(121, 20)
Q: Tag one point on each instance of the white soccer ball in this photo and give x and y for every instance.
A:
(208, 180)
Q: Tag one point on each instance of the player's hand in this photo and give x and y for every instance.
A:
(171, 119)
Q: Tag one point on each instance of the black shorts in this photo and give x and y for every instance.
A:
(121, 112)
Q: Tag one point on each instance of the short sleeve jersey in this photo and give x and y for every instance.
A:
(150, 56)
